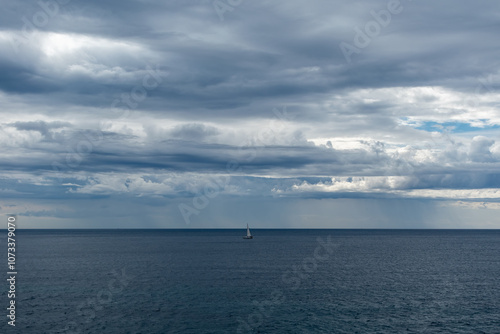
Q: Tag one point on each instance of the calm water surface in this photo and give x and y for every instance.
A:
(283, 281)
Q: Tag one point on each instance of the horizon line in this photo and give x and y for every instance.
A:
(256, 228)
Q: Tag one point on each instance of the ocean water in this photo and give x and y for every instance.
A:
(283, 281)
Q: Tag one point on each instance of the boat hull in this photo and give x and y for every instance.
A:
(248, 237)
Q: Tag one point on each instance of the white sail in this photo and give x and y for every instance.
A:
(249, 235)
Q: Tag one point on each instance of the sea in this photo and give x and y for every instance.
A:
(282, 281)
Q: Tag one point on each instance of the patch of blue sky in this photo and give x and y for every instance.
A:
(453, 127)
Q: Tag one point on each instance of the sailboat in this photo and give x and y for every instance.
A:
(248, 236)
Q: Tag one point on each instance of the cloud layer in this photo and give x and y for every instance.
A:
(177, 102)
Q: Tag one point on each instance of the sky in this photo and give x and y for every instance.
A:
(279, 114)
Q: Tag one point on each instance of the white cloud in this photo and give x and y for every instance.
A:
(480, 149)
(392, 185)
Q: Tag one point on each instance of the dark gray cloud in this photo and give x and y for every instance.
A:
(219, 65)
(44, 128)
(194, 132)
